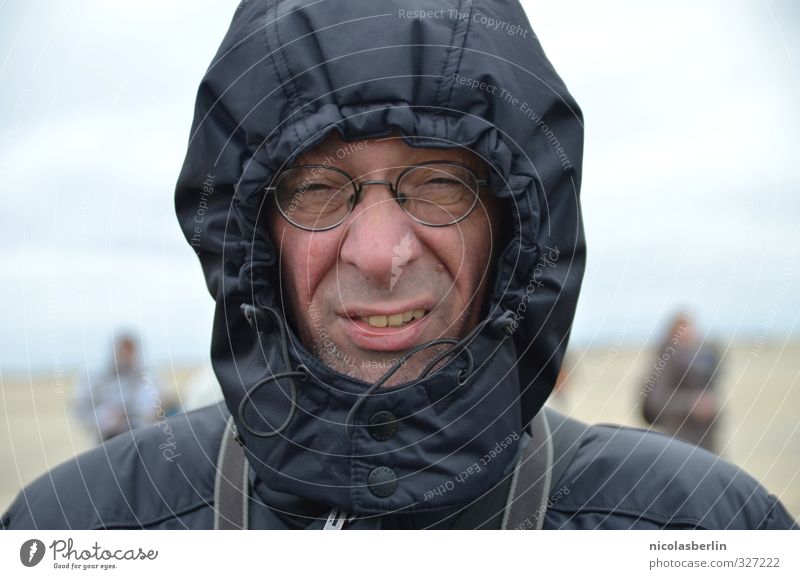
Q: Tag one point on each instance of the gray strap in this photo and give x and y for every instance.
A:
(530, 483)
(567, 434)
(231, 484)
(555, 440)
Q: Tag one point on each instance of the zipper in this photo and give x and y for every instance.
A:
(336, 520)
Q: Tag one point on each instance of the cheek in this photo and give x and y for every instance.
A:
(306, 258)
(284, 240)
(477, 242)
(315, 261)
(464, 251)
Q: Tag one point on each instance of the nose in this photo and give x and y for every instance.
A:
(379, 238)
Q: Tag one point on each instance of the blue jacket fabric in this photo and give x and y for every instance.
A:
(465, 74)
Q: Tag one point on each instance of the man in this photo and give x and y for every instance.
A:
(122, 397)
(384, 200)
(680, 392)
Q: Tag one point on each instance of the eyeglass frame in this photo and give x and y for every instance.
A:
(358, 188)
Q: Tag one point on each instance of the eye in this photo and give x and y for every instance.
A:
(444, 181)
(314, 197)
(438, 193)
(318, 189)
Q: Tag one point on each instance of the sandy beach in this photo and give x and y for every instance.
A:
(760, 429)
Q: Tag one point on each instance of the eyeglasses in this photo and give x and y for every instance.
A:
(319, 197)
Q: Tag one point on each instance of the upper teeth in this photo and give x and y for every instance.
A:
(393, 319)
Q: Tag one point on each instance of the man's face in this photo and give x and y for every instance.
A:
(381, 283)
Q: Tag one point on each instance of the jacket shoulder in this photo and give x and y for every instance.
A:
(156, 475)
(633, 478)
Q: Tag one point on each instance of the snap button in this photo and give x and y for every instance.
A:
(382, 425)
(382, 482)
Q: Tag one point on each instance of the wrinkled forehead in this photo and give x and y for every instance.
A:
(384, 153)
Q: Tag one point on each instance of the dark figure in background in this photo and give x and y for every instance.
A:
(121, 398)
(680, 396)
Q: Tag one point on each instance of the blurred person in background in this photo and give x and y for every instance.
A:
(680, 393)
(122, 397)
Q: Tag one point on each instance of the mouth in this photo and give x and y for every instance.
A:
(396, 320)
(386, 330)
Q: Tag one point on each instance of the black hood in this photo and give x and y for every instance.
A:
(463, 74)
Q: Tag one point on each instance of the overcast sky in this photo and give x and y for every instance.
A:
(690, 189)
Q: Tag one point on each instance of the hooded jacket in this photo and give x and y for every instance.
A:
(468, 74)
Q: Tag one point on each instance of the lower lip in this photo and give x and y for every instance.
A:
(388, 339)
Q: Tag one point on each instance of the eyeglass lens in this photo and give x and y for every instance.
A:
(315, 197)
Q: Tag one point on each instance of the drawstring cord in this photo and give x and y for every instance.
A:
(250, 393)
(502, 325)
(253, 316)
(382, 380)
(462, 344)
